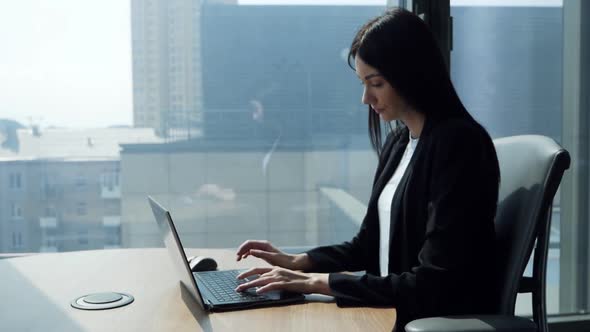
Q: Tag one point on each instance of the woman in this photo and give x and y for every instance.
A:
(427, 240)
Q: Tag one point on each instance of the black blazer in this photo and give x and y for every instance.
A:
(442, 228)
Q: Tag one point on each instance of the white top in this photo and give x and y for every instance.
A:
(384, 205)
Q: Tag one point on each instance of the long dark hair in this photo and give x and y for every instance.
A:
(402, 48)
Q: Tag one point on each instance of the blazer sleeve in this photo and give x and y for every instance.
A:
(350, 255)
(461, 206)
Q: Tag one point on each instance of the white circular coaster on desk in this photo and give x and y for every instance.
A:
(101, 301)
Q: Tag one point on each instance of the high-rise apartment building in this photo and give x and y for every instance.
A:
(167, 79)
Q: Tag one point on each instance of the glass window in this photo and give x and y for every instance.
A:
(81, 179)
(83, 237)
(267, 114)
(50, 211)
(239, 152)
(241, 132)
(15, 181)
(507, 67)
(17, 240)
(16, 211)
(81, 208)
(110, 180)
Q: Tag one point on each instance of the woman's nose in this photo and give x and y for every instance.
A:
(367, 98)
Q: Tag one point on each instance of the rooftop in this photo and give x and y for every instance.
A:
(70, 144)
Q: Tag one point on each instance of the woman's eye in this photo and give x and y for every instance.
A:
(373, 85)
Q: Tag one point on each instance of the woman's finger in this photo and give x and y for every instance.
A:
(278, 285)
(243, 250)
(254, 271)
(267, 256)
(254, 283)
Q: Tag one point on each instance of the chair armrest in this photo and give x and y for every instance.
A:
(472, 323)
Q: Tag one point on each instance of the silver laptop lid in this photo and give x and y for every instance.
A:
(175, 249)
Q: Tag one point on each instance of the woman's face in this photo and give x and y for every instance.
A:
(378, 93)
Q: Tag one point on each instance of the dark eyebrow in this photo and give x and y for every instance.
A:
(368, 77)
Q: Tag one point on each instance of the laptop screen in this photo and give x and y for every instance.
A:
(175, 249)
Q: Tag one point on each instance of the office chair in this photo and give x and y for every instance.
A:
(531, 168)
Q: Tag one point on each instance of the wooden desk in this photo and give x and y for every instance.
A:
(36, 292)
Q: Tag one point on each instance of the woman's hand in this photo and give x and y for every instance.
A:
(277, 278)
(266, 251)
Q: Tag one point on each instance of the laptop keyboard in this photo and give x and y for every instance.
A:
(222, 285)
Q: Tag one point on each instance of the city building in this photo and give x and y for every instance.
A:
(223, 192)
(60, 189)
(167, 68)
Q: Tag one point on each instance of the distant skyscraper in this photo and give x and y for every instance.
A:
(167, 79)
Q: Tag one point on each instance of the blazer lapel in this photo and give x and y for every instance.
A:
(400, 192)
(395, 156)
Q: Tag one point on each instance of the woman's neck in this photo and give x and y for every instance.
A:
(414, 121)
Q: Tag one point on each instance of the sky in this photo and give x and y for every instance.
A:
(67, 63)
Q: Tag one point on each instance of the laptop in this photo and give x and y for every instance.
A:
(213, 290)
